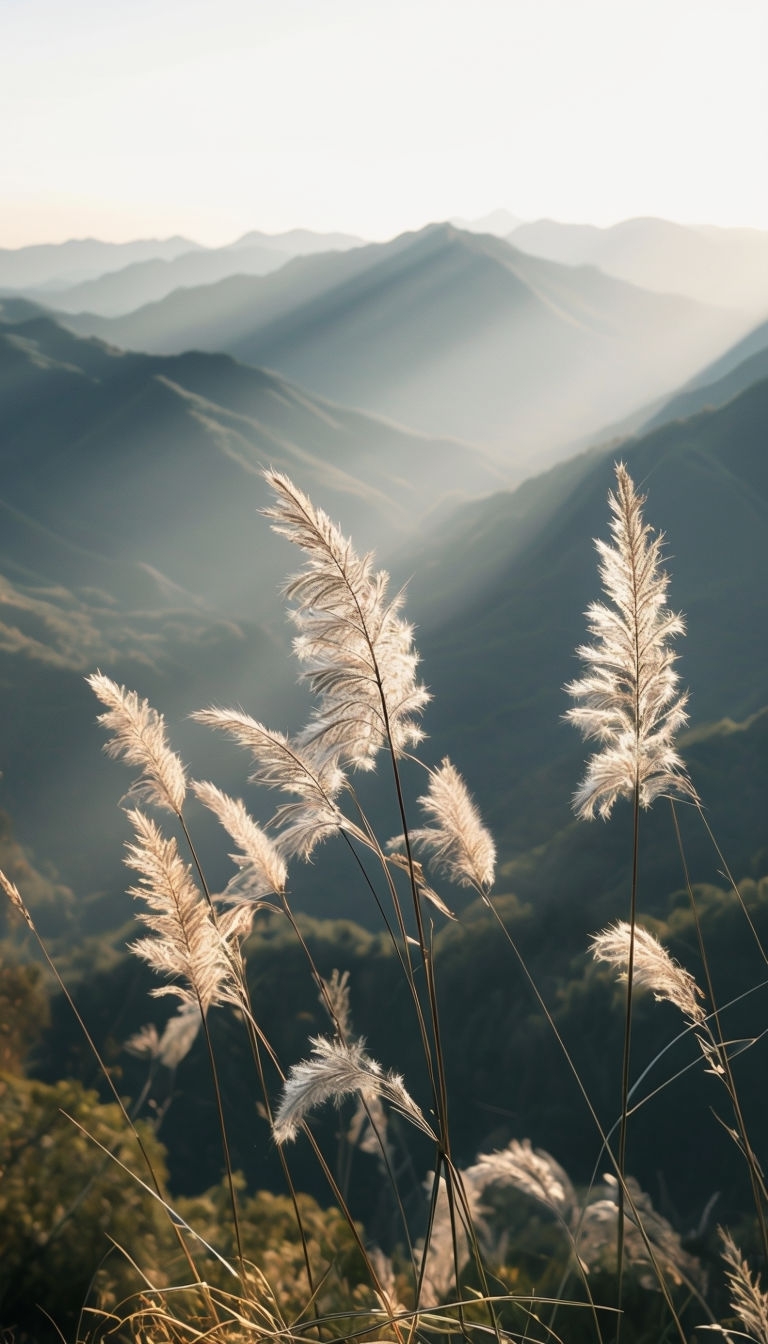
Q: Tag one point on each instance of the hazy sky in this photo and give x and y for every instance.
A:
(152, 117)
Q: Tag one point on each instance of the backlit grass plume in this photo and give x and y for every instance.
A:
(335, 1071)
(628, 700)
(653, 967)
(283, 763)
(533, 1171)
(357, 650)
(188, 945)
(748, 1300)
(139, 738)
(458, 842)
(262, 869)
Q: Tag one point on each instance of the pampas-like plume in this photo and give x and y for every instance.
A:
(459, 843)
(188, 945)
(336, 1071)
(357, 649)
(139, 738)
(653, 968)
(629, 699)
(14, 896)
(531, 1171)
(284, 764)
(596, 1237)
(748, 1300)
(335, 999)
(262, 866)
(178, 1037)
(144, 1043)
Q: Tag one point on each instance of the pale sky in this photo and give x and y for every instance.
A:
(154, 117)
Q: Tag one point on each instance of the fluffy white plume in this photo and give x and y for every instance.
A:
(653, 967)
(178, 1037)
(531, 1171)
(459, 843)
(284, 764)
(335, 1071)
(357, 649)
(368, 1128)
(139, 738)
(14, 896)
(597, 1237)
(144, 1043)
(629, 699)
(748, 1300)
(335, 999)
(262, 866)
(187, 945)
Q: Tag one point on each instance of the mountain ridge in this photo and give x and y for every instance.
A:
(447, 332)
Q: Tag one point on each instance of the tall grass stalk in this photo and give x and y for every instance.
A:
(629, 702)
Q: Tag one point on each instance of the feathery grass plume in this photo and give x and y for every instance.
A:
(336, 1071)
(748, 1300)
(532, 1171)
(335, 999)
(262, 867)
(14, 896)
(179, 1035)
(459, 843)
(629, 699)
(284, 764)
(596, 1237)
(368, 1129)
(144, 1043)
(139, 738)
(653, 968)
(187, 945)
(415, 874)
(357, 649)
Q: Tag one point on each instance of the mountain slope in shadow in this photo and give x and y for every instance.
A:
(157, 461)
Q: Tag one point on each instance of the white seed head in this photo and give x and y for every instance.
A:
(186, 944)
(628, 700)
(356, 649)
(139, 738)
(262, 868)
(335, 1071)
(458, 842)
(653, 967)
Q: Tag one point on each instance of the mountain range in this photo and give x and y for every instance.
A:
(56, 265)
(448, 332)
(115, 453)
(148, 279)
